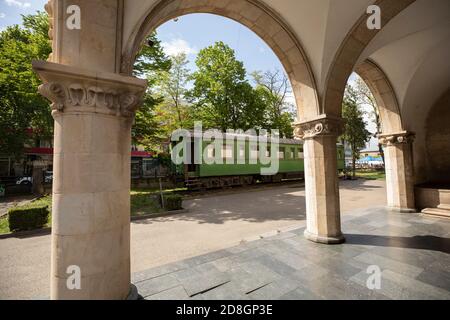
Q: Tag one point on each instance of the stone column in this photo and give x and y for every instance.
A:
(399, 170)
(321, 178)
(93, 114)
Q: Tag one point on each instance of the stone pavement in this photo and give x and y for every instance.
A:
(412, 251)
(213, 223)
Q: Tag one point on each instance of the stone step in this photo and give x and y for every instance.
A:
(444, 206)
(437, 212)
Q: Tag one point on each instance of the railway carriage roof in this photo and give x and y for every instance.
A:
(240, 136)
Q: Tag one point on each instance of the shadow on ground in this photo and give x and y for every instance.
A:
(252, 207)
(426, 242)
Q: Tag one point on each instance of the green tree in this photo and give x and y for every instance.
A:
(365, 97)
(355, 132)
(150, 62)
(222, 96)
(274, 88)
(173, 86)
(21, 106)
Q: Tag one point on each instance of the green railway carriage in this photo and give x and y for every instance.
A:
(240, 162)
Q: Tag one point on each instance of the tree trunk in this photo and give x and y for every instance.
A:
(353, 167)
(38, 181)
(380, 148)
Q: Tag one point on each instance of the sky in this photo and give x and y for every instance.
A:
(194, 32)
(187, 34)
(10, 10)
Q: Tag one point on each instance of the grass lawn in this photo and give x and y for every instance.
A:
(143, 201)
(4, 226)
(371, 174)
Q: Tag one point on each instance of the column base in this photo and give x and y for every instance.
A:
(133, 295)
(402, 210)
(324, 239)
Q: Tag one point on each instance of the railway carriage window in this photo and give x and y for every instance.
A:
(281, 153)
(300, 154)
(210, 151)
(227, 152)
(253, 153)
(241, 151)
(292, 154)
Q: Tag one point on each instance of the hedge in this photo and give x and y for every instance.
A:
(28, 217)
(173, 202)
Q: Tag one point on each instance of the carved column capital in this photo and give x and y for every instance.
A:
(390, 139)
(74, 90)
(321, 126)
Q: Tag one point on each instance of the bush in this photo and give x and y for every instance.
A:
(173, 202)
(28, 217)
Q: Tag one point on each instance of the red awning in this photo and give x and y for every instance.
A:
(49, 151)
(142, 154)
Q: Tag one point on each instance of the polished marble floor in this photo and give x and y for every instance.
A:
(412, 252)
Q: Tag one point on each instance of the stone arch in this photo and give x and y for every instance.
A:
(350, 50)
(255, 16)
(396, 141)
(384, 95)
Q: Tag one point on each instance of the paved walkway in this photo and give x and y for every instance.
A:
(412, 251)
(222, 221)
(213, 223)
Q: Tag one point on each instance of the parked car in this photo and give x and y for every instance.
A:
(48, 176)
(24, 181)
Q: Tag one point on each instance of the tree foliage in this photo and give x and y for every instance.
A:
(150, 62)
(274, 88)
(21, 107)
(218, 94)
(365, 97)
(173, 87)
(222, 96)
(355, 132)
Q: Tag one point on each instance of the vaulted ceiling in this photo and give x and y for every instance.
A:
(412, 48)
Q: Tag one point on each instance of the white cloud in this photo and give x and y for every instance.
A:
(177, 46)
(2, 15)
(18, 3)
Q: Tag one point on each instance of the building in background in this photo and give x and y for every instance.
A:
(371, 152)
(143, 163)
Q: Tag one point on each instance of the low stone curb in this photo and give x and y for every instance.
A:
(26, 233)
(159, 215)
(275, 233)
(49, 230)
(231, 191)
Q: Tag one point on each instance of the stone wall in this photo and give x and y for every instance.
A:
(438, 140)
